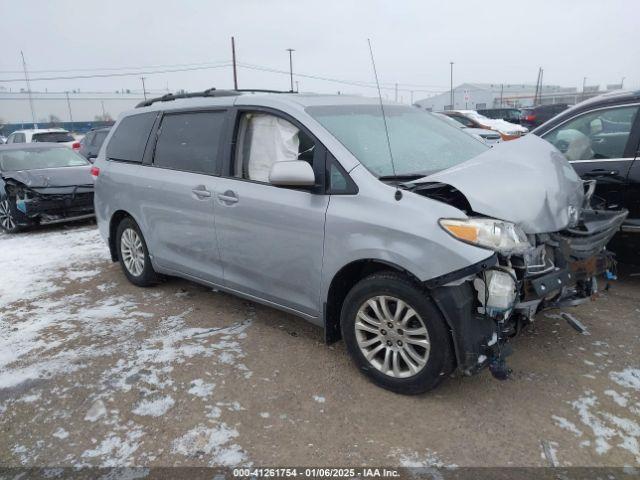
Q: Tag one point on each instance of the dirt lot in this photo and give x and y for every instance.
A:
(94, 371)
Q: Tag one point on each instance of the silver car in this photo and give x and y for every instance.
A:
(424, 253)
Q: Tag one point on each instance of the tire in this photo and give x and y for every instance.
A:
(8, 216)
(133, 254)
(406, 360)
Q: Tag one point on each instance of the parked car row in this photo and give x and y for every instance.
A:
(472, 119)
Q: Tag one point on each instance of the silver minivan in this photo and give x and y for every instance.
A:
(418, 245)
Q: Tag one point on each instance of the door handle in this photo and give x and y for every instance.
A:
(201, 192)
(228, 197)
(601, 172)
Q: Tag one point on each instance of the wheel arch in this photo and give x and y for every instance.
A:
(115, 220)
(343, 281)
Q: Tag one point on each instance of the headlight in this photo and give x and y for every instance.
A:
(488, 233)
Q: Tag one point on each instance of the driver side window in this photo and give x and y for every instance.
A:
(265, 139)
(602, 134)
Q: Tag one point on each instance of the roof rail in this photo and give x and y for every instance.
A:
(211, 92)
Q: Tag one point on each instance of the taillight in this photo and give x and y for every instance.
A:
(95, 171)
(530, 118)
(75, 146)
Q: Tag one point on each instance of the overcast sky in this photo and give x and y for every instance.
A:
(413, 41)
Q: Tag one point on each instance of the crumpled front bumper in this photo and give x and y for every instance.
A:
(561, 270)
(43, 208)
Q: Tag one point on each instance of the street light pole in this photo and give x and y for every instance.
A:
(291, 50)
(144, 90)
(451, 64)
(584, 83)
(70, 114)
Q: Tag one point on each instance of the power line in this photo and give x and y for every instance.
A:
(138, 67)
(108, 75)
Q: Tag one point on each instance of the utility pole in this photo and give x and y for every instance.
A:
(297, 89)
(396, 92)
(291, 50)
(104, 115)
(501, 92)
(144, 90)
(452, 106)
(622, 82)
(69, 106)
(26, 77)
(233, 58)
(584, 84)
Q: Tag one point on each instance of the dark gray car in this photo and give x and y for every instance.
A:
(423, 263)
(91, 143)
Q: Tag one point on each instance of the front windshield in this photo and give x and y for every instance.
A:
(12, 160)
(421, 143)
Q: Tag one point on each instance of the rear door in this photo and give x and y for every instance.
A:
(271, 238)
(178, 198)
(600, 146)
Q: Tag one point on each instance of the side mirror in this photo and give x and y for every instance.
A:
(294, 173)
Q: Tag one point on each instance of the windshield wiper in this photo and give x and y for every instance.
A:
(403, 178)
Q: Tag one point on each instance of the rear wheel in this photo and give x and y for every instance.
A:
(396, 335)
(134, 255)
(7, 216)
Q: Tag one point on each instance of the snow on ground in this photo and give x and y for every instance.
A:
(46, 335)
(612, 419)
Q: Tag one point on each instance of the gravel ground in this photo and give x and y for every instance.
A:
(94, 371)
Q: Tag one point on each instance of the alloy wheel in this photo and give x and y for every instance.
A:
(6, 218)
(132, 251)
(392, 336)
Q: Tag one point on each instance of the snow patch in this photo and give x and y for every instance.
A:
(155, 407)
(201, 389)
(210, 442)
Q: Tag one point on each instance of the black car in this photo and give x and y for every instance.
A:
(601, 139)
(91, 143)
(43, 183)
(507, 114)
(535, 116)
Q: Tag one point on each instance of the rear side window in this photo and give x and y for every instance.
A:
(190, 141)
(130, 138)
(98, 138)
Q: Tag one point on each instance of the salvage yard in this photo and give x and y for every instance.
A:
(94, 371)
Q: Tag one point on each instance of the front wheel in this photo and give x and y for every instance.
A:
(396, 335)
(134, 255)
(7, 216)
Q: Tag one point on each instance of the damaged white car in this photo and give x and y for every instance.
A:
(421, 247)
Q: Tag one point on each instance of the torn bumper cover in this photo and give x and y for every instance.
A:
(486, 306)
(48, 205)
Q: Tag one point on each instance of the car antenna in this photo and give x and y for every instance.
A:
(398, 194)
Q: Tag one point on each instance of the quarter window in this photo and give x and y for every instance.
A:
(130, 138)
(265, 139)
(597, 135)
(190, 141)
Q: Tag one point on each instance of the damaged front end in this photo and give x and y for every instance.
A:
(486, 308)
(48, 204)
(549, 244)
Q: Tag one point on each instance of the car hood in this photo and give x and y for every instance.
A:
(525, 181)
(52, 177)
(503, 126)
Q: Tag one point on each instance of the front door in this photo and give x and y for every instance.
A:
(271, 238)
